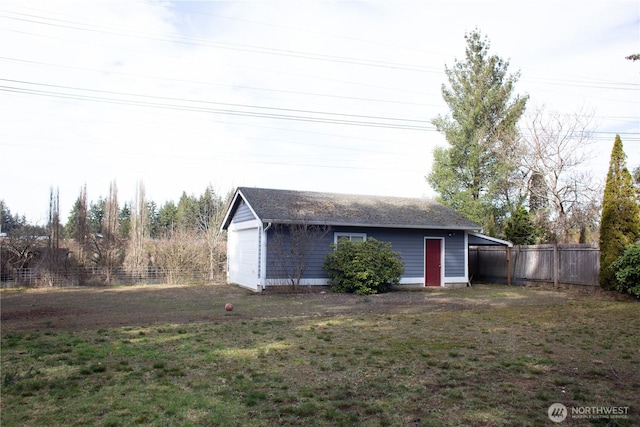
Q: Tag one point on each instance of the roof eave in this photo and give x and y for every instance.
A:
(231, 208)
(492, 239)
(377, 225)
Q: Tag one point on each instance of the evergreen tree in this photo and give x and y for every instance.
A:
(96, 216)
(153, 218)
(125, 220)
(8, 222)
(472, 175)
(167, 218)
(620, 224)
(208, 206)
(187, 212)
(70, 226)
(77, 228)
(520, 229)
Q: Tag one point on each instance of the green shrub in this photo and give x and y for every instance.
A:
(520, 229)
(364, 268)
(627, 270)
(620, 223)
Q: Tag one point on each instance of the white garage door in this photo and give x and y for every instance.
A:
(243, 246)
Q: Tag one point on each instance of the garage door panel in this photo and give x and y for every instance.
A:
(244, 257)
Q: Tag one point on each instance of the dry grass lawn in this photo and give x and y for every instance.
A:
(488, 355)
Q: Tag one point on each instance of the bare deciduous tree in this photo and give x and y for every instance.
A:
(557, 149)
(181, 255)
(53, 229)
(139, 230)
(53, 259)
(80, 247)
(293, 245)
(22, 245)
(107, 247)
(210, 216)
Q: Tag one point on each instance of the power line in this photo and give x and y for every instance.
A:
(601, 84)
(230, 46)
(291, 114)
(201, 83)
(39, 19)
(183, 104)
(279, 72)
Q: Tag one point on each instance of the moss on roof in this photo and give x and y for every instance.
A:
(288, 206)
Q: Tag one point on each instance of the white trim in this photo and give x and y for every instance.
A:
(338, 234)
(325, 281)
(236, 226)
(460, 279)
(442, 258)
(466, 258)
(263, 256)
(246, 202)
(303, 282)
(227, 220)
(491, 239)
(420, 280)
(411, 281)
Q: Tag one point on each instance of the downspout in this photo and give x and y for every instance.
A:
(263, 276)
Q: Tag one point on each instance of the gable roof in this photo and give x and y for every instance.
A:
(291, 207)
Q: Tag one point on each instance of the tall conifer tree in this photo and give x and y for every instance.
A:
(473, 174)
(520, 229)
(620, 224)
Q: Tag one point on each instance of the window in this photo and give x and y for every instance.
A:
(354, 237)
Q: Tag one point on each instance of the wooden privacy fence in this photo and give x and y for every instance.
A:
(553, 264)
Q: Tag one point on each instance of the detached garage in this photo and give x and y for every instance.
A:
(433, 240)
(243, 247)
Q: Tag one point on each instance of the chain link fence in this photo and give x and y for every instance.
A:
(104, 276)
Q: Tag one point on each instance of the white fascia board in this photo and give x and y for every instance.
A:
(249, 205)
(226, 222)
(491, 239)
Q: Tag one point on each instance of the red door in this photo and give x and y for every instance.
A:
(432, 258)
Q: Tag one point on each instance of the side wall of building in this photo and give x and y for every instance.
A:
(409, 242)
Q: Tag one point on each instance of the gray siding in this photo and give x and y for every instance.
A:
(314, 269)
(410, 244)
(455, 253)
(243, 213)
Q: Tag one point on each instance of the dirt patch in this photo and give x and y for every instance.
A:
(91, 308)
(38, 313)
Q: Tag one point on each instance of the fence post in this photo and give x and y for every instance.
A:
(508, 250)
(556, 261)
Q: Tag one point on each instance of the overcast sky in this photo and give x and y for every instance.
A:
(308, 95)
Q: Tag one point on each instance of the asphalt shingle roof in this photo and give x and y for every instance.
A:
(288, 206)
